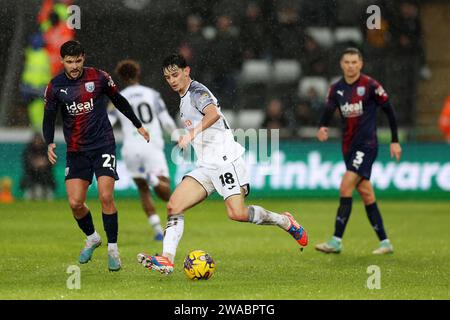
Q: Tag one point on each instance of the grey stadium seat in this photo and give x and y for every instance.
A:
(322, 35)
(348, 34)
(251, 118)
(286, 71)
(256, 71)
(319, 83)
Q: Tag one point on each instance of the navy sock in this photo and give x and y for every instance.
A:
(376, 221)
(111, 226)
(86, 224)
(342, 216)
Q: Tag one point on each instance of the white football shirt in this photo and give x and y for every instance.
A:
(150, 108)
(215, 146)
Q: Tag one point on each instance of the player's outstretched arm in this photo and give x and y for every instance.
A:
(210, 117)
(165, 119)
(168, 124)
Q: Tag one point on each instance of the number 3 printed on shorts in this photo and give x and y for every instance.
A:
(358, 159)
(107, 162)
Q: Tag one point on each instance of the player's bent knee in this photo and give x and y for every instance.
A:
(368, 198)
(363, 193)
(237, 214)
(174, 207)
(76, 204)
(366, 195)
(106, 199)
(345, 192)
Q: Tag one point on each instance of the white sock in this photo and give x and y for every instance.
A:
(153, 180)
(172, 236)
(337, 239)
(113, 247)
(261, 216)
(155, 222)
(95, 237)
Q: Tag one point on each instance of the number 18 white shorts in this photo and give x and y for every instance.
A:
(226, 180)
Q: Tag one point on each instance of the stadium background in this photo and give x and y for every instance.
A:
(261, 58)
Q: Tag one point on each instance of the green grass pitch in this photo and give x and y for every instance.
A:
(40, 240)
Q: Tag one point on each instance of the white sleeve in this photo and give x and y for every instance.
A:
(165, 119)
(168, 124)
(202, 98)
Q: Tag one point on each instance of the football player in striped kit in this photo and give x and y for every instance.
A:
(80, 94)
(358, 98)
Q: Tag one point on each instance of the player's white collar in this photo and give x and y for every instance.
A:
(190, 83)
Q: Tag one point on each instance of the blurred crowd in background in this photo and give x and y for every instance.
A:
(277, 56)
(288, 63)
(42, 59)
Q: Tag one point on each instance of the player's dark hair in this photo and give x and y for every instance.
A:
(174, 60)
(352, 50)
(128, 71)
(72, 48)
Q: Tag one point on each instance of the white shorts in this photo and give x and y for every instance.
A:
(227, 180)
(140, 163)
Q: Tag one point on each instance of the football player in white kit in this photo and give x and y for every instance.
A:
(145, 162)
(220, 167)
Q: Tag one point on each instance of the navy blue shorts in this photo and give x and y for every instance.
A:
(83, 164)
(360, 160)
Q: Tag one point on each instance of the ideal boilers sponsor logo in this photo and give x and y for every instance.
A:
(351, 110)
(76, 109)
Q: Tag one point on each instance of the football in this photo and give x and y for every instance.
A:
(199, 265)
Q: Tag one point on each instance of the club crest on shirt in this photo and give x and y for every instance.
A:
(90, 86)
(360, 91)
(203, 97)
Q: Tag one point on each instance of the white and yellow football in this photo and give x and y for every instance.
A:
(199, 265)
